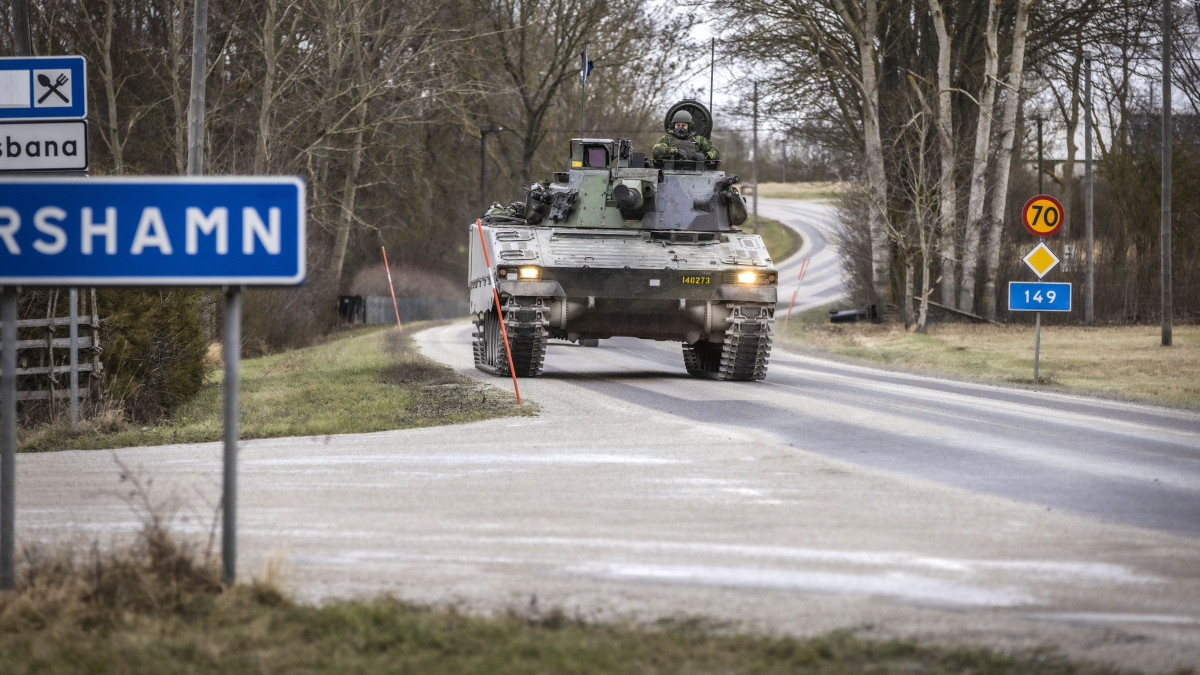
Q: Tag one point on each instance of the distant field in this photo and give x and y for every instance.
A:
(1125, 362)
(813, 190)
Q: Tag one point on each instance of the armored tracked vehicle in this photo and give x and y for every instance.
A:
(620, 245)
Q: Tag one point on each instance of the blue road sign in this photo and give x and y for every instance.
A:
(43, 87)
(1038, 297)
(164, 231)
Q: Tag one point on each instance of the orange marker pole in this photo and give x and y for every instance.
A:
(799, 278)
(393, 288)
(499, 312)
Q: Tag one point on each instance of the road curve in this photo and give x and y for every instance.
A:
(824, 281)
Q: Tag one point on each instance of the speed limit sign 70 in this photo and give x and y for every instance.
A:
(1042, 215)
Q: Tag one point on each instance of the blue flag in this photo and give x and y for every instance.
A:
(585, 67)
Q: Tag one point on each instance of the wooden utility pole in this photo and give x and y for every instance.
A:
(1166, 175)
(23, 42)
(199, 74)
(1089, 315)
(712, 65)
(754, 164)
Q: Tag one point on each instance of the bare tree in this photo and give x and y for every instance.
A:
(979, 162)
(947, 210)
(1008, 130)
(111, 132)
(861, 21)
(919, 190)
(823, 59)
(279, 36)
(537, 44)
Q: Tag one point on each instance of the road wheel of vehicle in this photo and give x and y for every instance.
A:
(702, 359)
(490, 355)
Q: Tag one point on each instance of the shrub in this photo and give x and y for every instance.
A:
(154, 347)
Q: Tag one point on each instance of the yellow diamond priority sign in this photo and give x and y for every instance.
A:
(1041, 260)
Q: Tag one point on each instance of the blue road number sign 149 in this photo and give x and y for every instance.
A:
(1038, 297)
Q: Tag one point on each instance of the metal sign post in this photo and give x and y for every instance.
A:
(8, 433)
(1042, 216)
(228, 232)
(74, 357)
(232, 348)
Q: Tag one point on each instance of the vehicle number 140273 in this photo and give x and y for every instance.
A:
(697, 280)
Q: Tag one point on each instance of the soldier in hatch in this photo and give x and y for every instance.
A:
(682, 143)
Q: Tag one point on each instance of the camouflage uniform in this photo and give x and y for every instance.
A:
(669, 145)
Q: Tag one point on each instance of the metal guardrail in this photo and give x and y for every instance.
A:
(377, 309)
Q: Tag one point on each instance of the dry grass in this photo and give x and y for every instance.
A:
(1126, 362)
(368, 379)
(62, 590)
(780, 241)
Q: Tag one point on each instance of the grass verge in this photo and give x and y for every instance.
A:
(781, 242)
(158, 605)
(363, 380)
(1123, 362)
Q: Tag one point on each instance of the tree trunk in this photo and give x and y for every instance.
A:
(113, 132)
(349, 193)
(270, 66)
(923, 310)
(864, 28)
(1004, 159)
(947, 188)
(979, 163)
(178, 26)
(334, 28)
(877, 185)
(345, 218)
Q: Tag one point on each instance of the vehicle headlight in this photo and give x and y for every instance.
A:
(530, 273)
(747, 277)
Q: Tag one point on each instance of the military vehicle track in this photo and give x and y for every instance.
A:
(743, 354)
(525, 321)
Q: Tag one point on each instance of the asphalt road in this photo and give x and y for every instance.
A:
(827, 496)
(1123, 463)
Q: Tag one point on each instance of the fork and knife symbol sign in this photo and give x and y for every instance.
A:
(52, 87)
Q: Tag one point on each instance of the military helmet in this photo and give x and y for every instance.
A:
(682, 116)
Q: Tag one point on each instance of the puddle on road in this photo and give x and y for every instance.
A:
(459, 459)
(1108, 618)
(899, 585)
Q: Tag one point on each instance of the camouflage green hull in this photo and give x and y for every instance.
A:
(671, 267)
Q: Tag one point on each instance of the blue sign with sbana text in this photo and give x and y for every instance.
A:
(161, 231)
